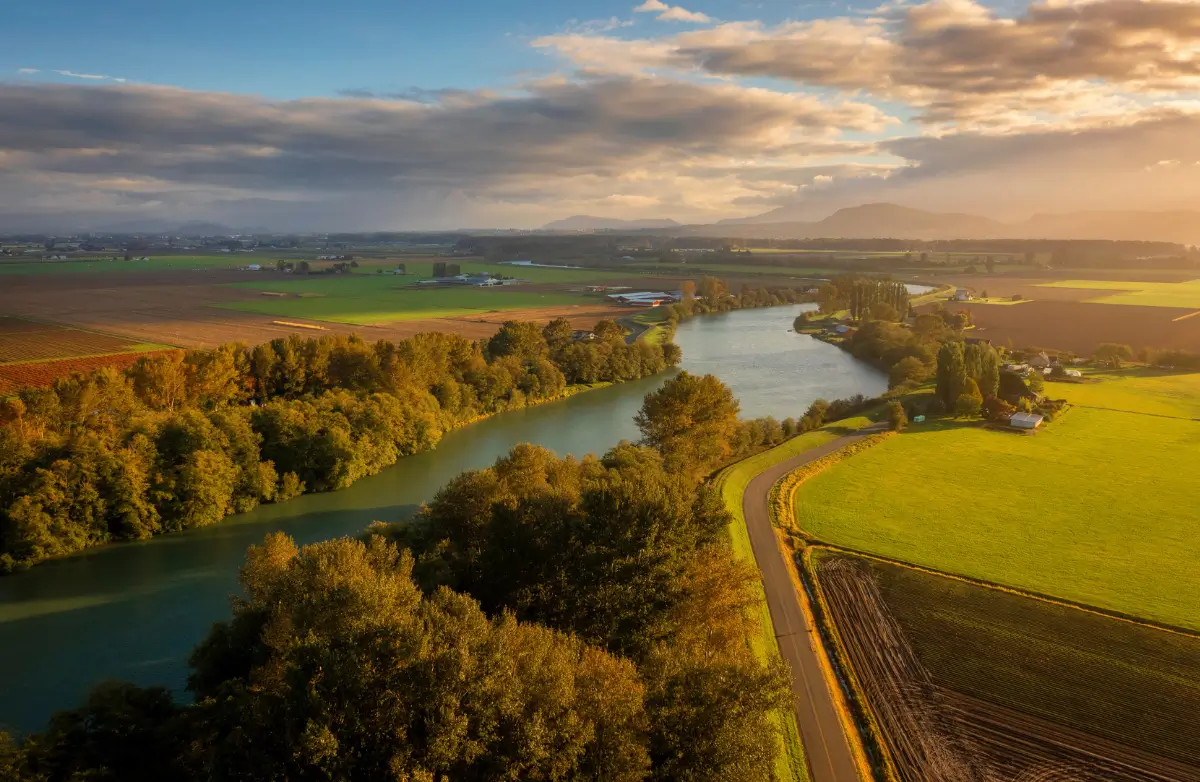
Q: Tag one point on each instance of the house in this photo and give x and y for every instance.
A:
(1073, 373)
(1040, 361)
(1016, 369)
(977, 341)
(1026, 420)
(962, 294)
(582, 336)
(254, 267)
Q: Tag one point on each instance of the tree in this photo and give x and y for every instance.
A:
(989, 372)
(828, 299)
(951, 373)
(302, 267)
(712, 291)
(907, 370)
(335, 666)
(688, 289)
(881, 310)
(1036, 382)
(522, 339)
(996, 409)
(897, 418)
(970, 401)
(690, 420)
(1111, 355)
(991, 265)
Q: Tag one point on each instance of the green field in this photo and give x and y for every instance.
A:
(1100, 508)
(1142, 294)
(362, 300)
(156, 263)
(1136, 389)
(1127, 682)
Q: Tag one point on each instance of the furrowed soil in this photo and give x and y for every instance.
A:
(25, 341)
(1079, 326)
(970, 682)
(44, 373)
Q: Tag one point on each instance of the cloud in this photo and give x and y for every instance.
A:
(953, 60)
(672, 13)
(89, 76)
(552, 143)
(28, 71)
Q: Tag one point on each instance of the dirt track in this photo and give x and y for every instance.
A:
(830, 758)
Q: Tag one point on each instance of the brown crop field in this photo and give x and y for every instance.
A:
(1080, 327)
(966, 682)
(25, 341)
(44, 373)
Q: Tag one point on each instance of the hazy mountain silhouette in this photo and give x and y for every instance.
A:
(890, 221)
(589, 223)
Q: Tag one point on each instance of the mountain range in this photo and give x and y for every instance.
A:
(589, 223)
(890, 221)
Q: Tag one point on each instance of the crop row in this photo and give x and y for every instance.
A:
(44, 373)
(1127, 682)
(57, 342)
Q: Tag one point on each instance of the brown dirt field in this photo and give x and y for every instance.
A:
(1080, 326)
(44, 373)
(174, 308)
(23, 341)
(933, 734)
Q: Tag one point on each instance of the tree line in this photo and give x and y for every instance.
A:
(185, 438)
(545, 618)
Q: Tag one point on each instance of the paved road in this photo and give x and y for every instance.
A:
(829, 756)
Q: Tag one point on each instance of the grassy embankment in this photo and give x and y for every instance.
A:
(1098, 509)
(733, 482)
(1133, 684)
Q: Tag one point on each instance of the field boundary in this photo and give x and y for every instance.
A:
(1016, 591)
(783, 493)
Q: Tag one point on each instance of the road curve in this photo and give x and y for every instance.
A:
(830, 758)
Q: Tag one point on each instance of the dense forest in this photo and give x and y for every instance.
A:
(185, 438)
(542, 619)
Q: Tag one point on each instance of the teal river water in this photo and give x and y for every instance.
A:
(133, 611)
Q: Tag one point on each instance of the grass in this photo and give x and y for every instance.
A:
(159, 263)
(365, 300)
(1142, 294)
(1136, 389)
(732, 483)
(1127, 682)
(1098, 509)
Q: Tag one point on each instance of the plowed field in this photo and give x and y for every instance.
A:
(969, 682)
(24, 340)
(44, 373)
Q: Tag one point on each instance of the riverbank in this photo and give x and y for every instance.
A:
(134, 611)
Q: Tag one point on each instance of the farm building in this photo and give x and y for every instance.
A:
(1026, 420)
(962, 294)
(1041, 361)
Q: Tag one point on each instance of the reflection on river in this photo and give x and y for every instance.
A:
(134, 611)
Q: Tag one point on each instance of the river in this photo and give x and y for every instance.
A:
(134, 610)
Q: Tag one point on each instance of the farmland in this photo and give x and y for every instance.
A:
(44, 373)
(23, 341)
(1080, 326)
(1095, 509)
(1142, 294)
(368, 300)
(966, 680)
(1137, 389)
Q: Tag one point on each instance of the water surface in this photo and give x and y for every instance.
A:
(134, 611)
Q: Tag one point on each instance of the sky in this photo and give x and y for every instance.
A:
(371, 115)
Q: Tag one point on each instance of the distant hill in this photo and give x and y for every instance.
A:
(889, 221)
(589, 223)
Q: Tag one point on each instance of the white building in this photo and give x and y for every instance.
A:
(1026, 420)
(962, 294)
